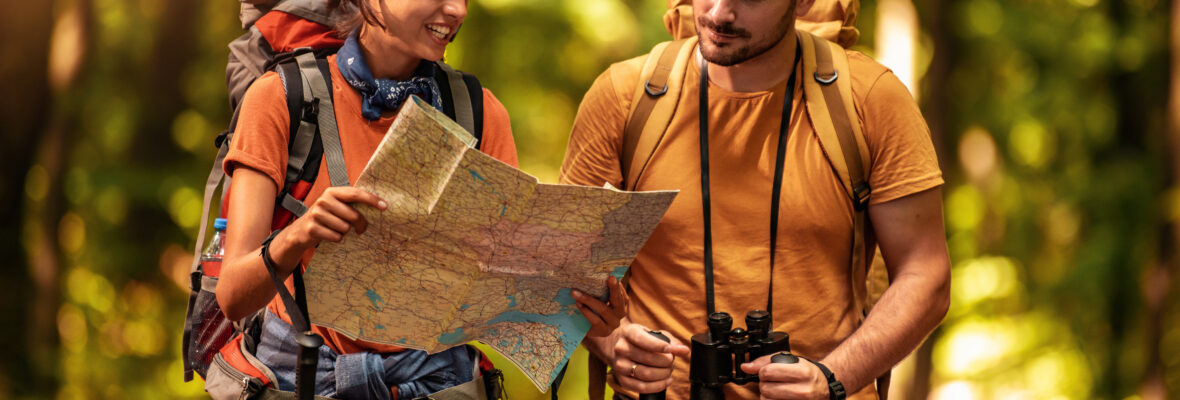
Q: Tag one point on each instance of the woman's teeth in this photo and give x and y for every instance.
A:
(439, 31)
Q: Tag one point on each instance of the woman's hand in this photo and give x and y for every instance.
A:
(332, 216)
(604, 317)
(245, 285)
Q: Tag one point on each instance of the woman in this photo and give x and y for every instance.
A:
(388, 52)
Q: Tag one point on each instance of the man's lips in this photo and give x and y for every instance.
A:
(722, 37)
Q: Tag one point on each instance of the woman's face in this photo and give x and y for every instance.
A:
(417, 28)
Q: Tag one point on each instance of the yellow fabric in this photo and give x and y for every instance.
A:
(834, 20)
(814, 299)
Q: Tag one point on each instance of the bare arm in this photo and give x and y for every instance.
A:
(245, 285)
(913, 242)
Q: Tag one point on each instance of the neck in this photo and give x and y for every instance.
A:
(384, 59)
(759, 73)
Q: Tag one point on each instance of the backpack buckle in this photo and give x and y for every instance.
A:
(654, 91)
(221, 138)
(311, 111)
(860, 196)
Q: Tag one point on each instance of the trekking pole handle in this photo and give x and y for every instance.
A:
(658, 395)
(309, 357)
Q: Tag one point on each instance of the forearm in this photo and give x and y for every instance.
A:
(909, 310)
(245, 284)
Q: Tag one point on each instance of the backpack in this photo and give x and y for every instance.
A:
(292, 38)
(824, 32)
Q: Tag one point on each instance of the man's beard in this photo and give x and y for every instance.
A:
(716, 55)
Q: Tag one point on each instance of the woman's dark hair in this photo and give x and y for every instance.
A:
(351, 14)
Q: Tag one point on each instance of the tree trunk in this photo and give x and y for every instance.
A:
(25, 100)
(1158, 280)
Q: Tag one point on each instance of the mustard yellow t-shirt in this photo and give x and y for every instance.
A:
(813, 289)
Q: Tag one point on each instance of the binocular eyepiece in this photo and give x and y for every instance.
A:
(718, 354)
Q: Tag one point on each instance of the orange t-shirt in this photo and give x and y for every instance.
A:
(813, 299)
(260, 143)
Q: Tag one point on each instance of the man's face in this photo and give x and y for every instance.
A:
(733, 31)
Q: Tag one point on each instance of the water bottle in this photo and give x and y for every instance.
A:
(211, 257)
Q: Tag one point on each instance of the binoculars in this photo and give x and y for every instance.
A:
(717, 355)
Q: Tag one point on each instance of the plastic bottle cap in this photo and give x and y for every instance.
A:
(219, 224)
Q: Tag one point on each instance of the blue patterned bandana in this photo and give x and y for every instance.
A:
(380, 95)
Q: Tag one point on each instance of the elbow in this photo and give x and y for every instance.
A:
(941, 296)
(231, 304)
(228, 306)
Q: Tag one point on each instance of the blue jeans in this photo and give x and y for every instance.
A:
(365, 376)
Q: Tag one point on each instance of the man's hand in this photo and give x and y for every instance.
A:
(604, 317)
(642, 362)
(798, 381)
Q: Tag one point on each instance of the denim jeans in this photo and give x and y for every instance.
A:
(365, 376)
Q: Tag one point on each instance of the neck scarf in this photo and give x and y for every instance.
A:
(378, 95)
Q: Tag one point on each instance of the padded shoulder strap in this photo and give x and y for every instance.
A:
(829, 103)
(462, 99)
(653, 105)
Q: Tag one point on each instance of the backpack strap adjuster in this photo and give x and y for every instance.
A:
(653, 90)
(826, 80)
(860, 196)
(311, 110)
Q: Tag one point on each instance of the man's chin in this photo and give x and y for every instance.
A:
(724, 57)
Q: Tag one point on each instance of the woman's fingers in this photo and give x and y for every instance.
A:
(354, 195)
(345, 214)
(334, 210)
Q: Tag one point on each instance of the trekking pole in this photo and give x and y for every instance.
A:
(309, 347)
(658, 395)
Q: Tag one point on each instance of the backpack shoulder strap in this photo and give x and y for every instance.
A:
(462, 97)
(653, 104)
(829, 103)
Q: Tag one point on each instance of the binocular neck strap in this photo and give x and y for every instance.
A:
(776, 186)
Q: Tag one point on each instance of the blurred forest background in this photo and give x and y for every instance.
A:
(1056, 122)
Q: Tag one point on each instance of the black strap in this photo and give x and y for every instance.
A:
(703, 111)
(836, 389)
(776, 186)
(297, 313)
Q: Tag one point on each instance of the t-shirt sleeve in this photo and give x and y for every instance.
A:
(260, 138)
(497, 131)
(592, 156)
(903, 157)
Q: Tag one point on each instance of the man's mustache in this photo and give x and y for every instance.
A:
(727, 28)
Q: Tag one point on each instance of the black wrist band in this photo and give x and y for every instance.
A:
(835, 387)
(266, 258)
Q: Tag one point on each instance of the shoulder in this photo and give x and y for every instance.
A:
(867, 74)
(264, 91)
(625, 75)
(497, 141)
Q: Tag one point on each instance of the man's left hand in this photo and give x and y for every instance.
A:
(801, 380)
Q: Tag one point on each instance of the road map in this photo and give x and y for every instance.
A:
(471, 248)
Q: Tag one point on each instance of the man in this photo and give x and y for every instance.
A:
(749, 46)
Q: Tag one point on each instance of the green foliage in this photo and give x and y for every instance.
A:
(1053, 195)
(1052, 218)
